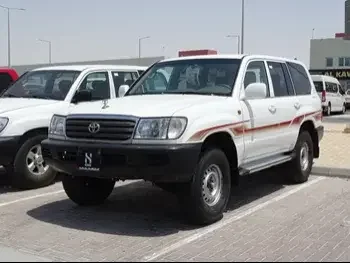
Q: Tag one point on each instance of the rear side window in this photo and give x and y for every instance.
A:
(331, 87)
(318, 86)
(279, 82)
(300, 79)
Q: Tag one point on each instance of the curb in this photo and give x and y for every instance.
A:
(331, 172)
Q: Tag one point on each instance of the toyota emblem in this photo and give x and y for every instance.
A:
(94, 127)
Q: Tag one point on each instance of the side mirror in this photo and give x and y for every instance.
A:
(82, 95)
(256, 91)
(122, 90)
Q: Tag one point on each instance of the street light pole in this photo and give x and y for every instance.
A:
(238, 41)
(9, 31)
(313, 33)
(242, 29)
(49, 42)
(140, 39)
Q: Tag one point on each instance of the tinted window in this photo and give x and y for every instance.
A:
(331, 87)
(256, 73)
(341, 62)
(300, 79)
(318, 86)
(278, 79)
(329, 62)
(194, 76)
(98, 84)
(122, 78)
(5, 81)
(50, 84)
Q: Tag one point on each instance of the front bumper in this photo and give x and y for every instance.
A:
(157, 163)
(8, 149)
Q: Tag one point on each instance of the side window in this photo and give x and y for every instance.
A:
(300, 79)
(256, 73)
(341, 91)
(278, 78)
(135, 75)
(329, 62)
(331, 87)
(98, 84)
(122, 78)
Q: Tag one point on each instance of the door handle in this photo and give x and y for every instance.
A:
(297, 105)
(272, 109)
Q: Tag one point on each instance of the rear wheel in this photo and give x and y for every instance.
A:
(86, 191)
(206, 197)
(329, 110)
(299, 168)
(344, 109)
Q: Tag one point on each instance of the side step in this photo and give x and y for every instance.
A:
(263, 164)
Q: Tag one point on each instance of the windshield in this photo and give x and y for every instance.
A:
(195, 76)
(50, 84)
(318, 86)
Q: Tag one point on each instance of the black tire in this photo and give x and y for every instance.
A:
(298, 174)
(192, 198)
(328, 110)
(21, 176)
(87, 191)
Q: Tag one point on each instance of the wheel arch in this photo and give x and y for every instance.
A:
(223, 140)
(310, 128)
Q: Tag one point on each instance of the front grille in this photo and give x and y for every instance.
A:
(109, 129)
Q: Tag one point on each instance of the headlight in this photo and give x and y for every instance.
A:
(160, 128)
(3, 123)
(57, 126)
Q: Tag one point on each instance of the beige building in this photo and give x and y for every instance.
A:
(331, 56)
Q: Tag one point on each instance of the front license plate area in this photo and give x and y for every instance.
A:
(89, 160)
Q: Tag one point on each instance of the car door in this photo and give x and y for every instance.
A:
(285, 105)
(340, 96)
(259, 137)
(331, 96)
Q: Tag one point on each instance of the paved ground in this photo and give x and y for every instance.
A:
(338, 118)
(266, 220)
(335, 147)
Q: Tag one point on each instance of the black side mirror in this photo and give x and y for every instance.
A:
(81, 96)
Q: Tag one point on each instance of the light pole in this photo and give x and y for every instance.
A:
(49, 42)
(238, 41)
(242, 29)
(9, 31)
(140, 39)
(313, 33)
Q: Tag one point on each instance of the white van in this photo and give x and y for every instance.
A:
(331, 94)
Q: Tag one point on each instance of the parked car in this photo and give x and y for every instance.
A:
(27, 106)
(7, 77)
(217, 117)
(331, 94)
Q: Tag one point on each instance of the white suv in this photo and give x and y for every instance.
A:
(214, 119)
(27, 106)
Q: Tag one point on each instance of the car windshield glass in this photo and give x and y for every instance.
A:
(318, 86)
(48, 84)
(192, 76)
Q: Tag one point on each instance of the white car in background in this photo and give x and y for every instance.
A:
(331, 94)
(27, 106)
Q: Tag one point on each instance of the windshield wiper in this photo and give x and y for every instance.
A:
(185, 92)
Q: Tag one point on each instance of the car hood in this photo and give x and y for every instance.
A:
(13, 104)
(146, 105)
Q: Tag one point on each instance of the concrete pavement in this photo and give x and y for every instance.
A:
(266, 220)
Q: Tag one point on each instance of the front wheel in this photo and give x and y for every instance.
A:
(207, 195)
(300, 167)
(86, 191)
(29, 169)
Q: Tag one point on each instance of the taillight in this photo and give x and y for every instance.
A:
(323, 96)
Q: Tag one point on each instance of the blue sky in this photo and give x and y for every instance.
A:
(108, 29)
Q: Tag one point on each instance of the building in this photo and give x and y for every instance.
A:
(331, 56)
